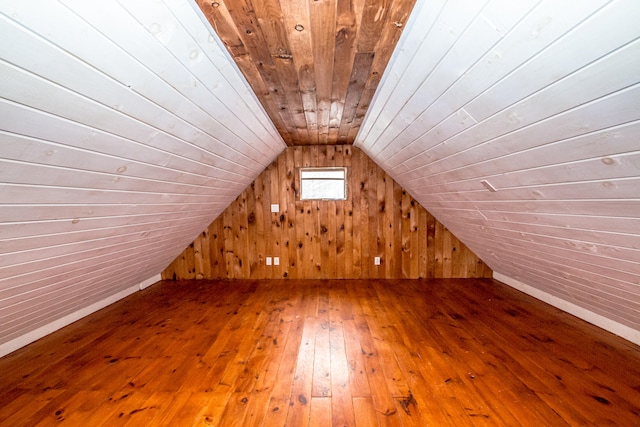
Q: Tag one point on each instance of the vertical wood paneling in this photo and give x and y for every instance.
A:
(291, 196)
(376, 218)
(274, 247)
(365, 252)
(342, 211)
(350, 233)
(328, 239)
(406, 224)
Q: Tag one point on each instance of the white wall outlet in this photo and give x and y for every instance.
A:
(376, 260)
(268, 260)
(276, 260)
(275, 208)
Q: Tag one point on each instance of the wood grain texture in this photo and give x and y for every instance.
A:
(324, 352)
(313, 65)
(326, 239)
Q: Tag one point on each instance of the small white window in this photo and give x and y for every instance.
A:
(323, 183)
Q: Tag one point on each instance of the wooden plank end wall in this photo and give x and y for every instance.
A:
(315, 239)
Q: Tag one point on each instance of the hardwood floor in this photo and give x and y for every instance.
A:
(319, 353)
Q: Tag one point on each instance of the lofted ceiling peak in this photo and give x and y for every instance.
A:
(314, 66)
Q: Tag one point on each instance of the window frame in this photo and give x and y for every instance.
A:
(344, 179)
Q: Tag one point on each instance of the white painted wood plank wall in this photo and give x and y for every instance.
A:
(541, 99)
(125, 129)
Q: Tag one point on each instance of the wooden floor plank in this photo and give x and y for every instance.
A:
(321, 385)
(560, 370)
(341, 398)
(358, 380)
(320, 412)
(324, 352)
(277, 412)
(365, 412)
(382, 398)
(201, 409)
(300, 397)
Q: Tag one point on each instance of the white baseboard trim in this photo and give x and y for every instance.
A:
(150, 281)
(582, 313)
(36, 334)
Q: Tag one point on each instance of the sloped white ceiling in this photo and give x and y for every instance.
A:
(541, 100)
(125, 129)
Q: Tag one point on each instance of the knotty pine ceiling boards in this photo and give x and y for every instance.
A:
(314, 65)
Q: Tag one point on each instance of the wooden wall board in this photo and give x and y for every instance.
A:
(329, 239)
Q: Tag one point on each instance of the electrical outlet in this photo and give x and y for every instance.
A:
(275, 208)
(376, 260)
(276, 260)
(268, 260)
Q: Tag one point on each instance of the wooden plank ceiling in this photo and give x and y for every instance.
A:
(314, 65)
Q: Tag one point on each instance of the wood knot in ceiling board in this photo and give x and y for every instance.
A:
(341, 36)
(285, 56)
